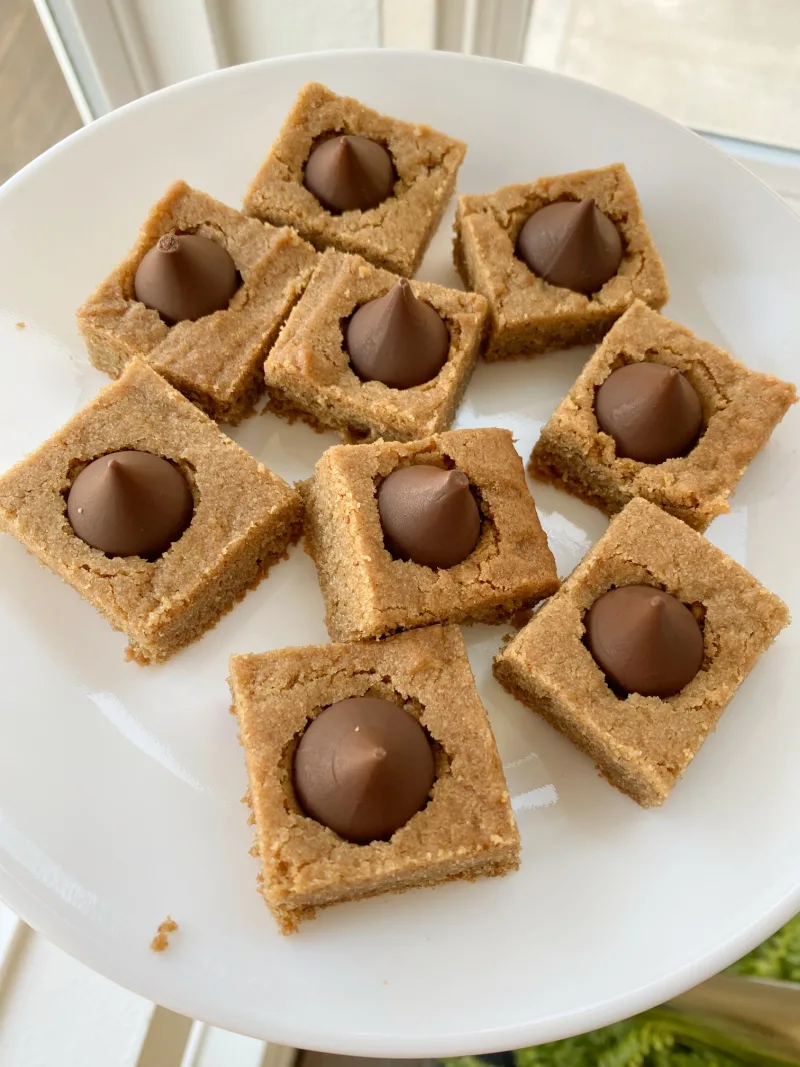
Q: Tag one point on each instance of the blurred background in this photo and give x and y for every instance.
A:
(727, 68)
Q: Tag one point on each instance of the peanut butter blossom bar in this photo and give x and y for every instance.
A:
(347, 177)
(155, 517)
(373, 355)
(201, 297)
(441, 529)
(643, 647)
(660, 414)
(373, 769)
(558, 259)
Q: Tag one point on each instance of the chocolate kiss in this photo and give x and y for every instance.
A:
(184, 277)
(363, 768)
(428, 515)
(397, 339)
(571, 244)
(652, 412)
(644, 640)
(349, 173)
(130, 504)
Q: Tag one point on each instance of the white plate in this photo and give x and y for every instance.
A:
(120, 785)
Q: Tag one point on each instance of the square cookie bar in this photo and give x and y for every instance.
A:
(466, 829)
(642, 744)
(244, 516)
(216, 361)
(308, 371)
(394, 234)
(369, 593)
(740, 409)
(527, 315)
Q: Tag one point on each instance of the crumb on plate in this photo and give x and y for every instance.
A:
(161, 940)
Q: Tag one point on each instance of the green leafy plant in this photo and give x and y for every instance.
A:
(778, 957)
(665, 1038)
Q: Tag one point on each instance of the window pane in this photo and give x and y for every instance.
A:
(725, 66)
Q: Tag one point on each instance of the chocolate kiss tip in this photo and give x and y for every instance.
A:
(650, 616)
(365, 760)
(400, 304)
(345, 156)
(669, 386)
(402, 291)
(584, 220)
(457, 480)
(453, 482)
